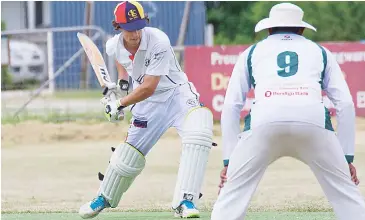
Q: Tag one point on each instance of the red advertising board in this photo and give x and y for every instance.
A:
(210, 68)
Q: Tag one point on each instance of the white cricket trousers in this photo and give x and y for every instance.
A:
(317, 147)
(151, 119)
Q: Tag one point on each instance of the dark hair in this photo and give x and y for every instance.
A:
(295, 30)
(117, 27)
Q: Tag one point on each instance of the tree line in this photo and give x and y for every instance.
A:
(234, 22)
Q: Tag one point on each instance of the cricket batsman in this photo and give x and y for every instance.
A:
(288, 118)
(162, 97)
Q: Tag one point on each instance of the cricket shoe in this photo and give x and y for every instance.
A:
(187, 209)
(93, 208)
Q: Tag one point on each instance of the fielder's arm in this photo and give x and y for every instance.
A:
(158, 66)
(234, 101)
(338, 92)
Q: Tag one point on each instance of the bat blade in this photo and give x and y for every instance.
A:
(96, 59)
(98, 64)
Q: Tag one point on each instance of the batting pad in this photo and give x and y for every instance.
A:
(125, 165)
(196, 140)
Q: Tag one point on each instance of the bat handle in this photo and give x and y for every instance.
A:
(113, 99)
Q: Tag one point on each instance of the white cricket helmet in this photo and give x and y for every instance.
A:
(284, 15)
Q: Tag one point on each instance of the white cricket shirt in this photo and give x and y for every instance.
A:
(155, 57)
(288, 73)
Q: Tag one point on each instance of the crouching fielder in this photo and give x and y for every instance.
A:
(288, 118)
(162, 97)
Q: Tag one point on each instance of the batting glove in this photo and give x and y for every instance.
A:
(118, 89)
(114, 111)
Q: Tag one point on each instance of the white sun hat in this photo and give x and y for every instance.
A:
(284, 15)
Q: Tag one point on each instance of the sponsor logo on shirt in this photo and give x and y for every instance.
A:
(272, 93)
(288, 91)
(147, 62)
(286, 37)
(192, 102)
(160, 55)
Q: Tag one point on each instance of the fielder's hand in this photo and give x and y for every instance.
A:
(114, 111)
(223, 177)
(353, 174)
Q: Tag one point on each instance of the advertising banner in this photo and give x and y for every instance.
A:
(210, 68)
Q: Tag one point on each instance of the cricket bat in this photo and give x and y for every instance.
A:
(96, 61)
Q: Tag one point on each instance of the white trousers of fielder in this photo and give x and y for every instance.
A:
(317, 147)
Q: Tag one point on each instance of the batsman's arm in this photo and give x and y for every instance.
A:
(338, 92)
(111, 47)
(122, 73)
(234, 102)
(142, 92)
(158, 66)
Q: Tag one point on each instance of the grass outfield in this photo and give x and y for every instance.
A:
(168, 215)
(78, 94)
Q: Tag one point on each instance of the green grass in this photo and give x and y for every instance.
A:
(58, 117)
(53, 117)
(168, 215)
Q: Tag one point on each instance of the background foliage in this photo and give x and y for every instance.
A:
(5, 76)
(234, 22)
